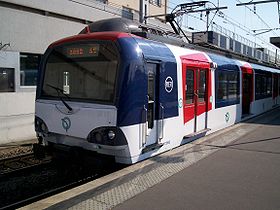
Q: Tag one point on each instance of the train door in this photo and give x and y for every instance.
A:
(196, 90)
(247, 90)
(152, 132)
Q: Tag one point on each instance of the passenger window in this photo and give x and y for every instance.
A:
(227, 87)
(189, 94)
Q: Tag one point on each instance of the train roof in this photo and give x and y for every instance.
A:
(107, 35)
(264, 68)
(224, 62)
(112, 29)
(169, 37)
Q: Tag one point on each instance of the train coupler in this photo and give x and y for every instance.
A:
(39, 151)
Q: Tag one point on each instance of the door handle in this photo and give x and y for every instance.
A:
(144, 126)
(161, 121)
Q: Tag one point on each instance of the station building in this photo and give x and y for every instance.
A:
(27, 27)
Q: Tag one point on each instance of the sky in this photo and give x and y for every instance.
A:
(237, 21)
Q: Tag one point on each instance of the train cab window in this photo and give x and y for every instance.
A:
(84, 71)
(189, 87)
(202, 86)
(7, 80)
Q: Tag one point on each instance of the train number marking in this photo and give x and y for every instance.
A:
(168, 84)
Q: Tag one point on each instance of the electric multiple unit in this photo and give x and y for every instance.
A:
(121, 95)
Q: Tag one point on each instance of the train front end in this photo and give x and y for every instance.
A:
(78, 93)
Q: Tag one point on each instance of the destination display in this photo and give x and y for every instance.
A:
(90, 50)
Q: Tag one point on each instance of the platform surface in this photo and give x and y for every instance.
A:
(237, 168)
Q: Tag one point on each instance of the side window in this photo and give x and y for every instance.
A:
(227, 88)
(189, 94)
(263, 85)
(29, 65)
(7, 80)
(258, 83)
(221, 85)
(269, 86)
(233, 86)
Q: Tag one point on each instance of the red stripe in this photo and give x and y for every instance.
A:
(112, 36)
(247, 69)
(196, 57)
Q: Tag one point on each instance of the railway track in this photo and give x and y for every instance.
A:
(20, 162)
(21, 182)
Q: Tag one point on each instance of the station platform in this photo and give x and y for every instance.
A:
(237, 168)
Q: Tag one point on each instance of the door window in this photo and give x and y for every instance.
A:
(189, 87)
(151, 99)
(202, 86)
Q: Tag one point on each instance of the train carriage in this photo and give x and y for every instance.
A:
(121, 95)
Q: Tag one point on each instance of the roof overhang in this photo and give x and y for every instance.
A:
(275, 41)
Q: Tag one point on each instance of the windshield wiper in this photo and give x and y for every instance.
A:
(58, 90)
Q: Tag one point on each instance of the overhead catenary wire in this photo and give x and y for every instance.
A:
(230, 20)
(259, 17)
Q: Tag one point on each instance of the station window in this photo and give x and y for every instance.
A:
(29, 65)
(156, 2)
(127, 13)
(7, 80)
(263, 85)
(227, 88)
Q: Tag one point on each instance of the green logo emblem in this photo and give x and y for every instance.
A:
(66, 123)
(227, 116)
(180, 103)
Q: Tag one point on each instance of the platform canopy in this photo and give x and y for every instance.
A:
(275, 41)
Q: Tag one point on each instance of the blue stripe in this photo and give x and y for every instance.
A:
(224, 63)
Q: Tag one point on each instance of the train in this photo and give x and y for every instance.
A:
(113, 92)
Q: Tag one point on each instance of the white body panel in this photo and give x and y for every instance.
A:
(84, 118)
(261, 105)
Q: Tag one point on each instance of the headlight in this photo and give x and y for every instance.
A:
(111, 135)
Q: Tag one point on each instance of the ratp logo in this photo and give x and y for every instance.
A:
(66, 123)
(168, 84)
(227, 116)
